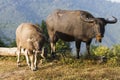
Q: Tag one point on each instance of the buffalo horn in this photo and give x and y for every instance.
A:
(111, 21)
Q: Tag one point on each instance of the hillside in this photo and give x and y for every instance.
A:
(15, 12)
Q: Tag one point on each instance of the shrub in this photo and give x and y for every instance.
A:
(13, 44)
(61, 46)
(114, 55)
(116, 50)
(100, 51)
(2, 44)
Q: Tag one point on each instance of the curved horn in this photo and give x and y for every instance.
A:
(87, 19)
(111, 21)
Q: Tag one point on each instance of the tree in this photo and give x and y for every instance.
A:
(44, 28)
(2, 44)
(61, 46)
(13, 44)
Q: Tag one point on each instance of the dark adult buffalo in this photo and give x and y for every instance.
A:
(30, 40)
(75, 25)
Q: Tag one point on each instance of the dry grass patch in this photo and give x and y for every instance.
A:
(57, 70)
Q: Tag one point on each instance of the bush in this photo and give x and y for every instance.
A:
(2, 44)
(100, 51)
(116, 50)
(61, 46)
(112, 54)
(13, 44)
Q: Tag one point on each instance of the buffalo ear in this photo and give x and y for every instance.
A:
(87, 18)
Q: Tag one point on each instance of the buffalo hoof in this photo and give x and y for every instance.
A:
(53, 55)
(18, 64)
(33, 69)
(78, 57)
(29, 65)
(103, 59)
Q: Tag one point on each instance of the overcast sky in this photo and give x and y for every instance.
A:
(114, 0)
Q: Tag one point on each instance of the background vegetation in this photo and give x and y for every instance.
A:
(14, 13)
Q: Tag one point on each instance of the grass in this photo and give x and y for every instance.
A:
(67, 68)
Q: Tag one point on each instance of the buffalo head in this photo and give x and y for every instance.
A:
(99, 25)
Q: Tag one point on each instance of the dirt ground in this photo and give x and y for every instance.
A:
(57, 71)
(10, 71)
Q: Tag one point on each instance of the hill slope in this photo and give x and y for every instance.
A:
(15, 12)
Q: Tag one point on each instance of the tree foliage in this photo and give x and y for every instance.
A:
(100, 50)
(61, 46)
(13, 44)
(2, 44)
(112, 54)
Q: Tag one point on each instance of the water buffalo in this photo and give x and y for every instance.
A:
(30, 40)
(75, 25)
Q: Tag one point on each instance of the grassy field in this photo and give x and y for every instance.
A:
(63, 69)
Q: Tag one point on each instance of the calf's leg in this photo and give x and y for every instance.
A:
(27, 57)
(35, 60)
(31, 55)
(32, 62)
(18, 57)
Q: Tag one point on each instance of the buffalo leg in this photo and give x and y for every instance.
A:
(35, 60)
(78, 43)
(52, 43)
(32, 60)
(54, 39)
(43, 55)
(18, 57)
(53, 49)
(88, 47)
(27, 58)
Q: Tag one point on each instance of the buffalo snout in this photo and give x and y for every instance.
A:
(99, 38)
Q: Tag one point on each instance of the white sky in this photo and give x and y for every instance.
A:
(117, 1)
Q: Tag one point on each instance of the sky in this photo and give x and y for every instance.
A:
(117, 1)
